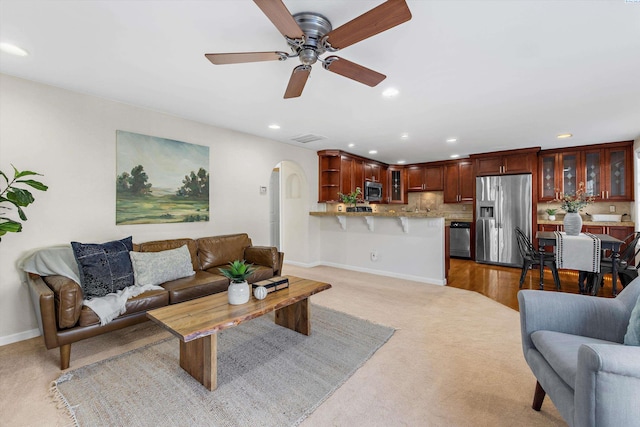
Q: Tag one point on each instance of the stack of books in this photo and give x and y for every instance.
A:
(274, 284)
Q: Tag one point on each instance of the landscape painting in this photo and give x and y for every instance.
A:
(160, 180)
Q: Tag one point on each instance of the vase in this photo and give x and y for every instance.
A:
(552, 217)
(572, 223)
(238, 293)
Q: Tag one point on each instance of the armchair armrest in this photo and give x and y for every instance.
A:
(43, 301)
(602, 318)
(607, 385)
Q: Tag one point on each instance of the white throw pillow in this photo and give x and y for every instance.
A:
(154, 268)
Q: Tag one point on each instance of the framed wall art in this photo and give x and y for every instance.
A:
(160, 180)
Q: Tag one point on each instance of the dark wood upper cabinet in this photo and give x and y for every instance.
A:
(425, 178)
(605, 169)
(459, 181)
(505, 162)
(396, 185)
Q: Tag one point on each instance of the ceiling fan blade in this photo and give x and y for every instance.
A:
(237, 58)
(280, 16)
(297, 81)
(353, 71)
(379, 19)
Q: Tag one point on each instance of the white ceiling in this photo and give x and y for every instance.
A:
(495, 74)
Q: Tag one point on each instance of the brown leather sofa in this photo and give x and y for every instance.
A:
(64, 319)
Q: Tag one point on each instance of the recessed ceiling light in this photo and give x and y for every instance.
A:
(390, 92)
(274, 126)
(564, 135)
(404, 136)
(373, 151)
(401, 162)
(452, 140)
(13, 49)
(351, 145)
(454, 156)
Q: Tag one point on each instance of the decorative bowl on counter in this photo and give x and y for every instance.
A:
(606, 218)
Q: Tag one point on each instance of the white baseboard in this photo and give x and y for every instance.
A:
(303, 264)
(430, 281)
(20, 336)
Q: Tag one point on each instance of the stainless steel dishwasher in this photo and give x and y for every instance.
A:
(460, 239)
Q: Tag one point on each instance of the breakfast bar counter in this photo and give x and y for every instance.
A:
(407, 245)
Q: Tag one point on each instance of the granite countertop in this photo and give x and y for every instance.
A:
(596, 223)
(397, 214)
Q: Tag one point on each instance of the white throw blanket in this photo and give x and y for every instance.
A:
(581, 252)
(59, 260)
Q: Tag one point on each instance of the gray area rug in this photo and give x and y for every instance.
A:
(267, 376)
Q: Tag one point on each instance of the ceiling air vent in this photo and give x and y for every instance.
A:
(306, 138)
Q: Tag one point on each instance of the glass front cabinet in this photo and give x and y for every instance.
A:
(605, 170)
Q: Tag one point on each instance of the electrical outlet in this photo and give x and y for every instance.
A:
(612, 208)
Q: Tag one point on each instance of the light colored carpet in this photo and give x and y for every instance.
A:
(454, 360)
(267, 376)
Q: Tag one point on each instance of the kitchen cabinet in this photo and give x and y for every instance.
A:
(373, 171)
(607, 173)
(329, 167)
(351, 174)
(505, 162)
(605, 169)
(458, 181)
(396, 185)
(425, 178)
(559, 174)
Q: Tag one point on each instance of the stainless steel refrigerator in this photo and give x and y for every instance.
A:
(502, 204)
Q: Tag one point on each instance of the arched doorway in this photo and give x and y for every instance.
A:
(289, 203)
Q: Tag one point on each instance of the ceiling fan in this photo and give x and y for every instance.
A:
(310, 35)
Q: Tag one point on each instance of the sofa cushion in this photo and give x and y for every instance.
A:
(104, 268)
(221, 250)
(199, 285)
(68, 299)
(632, 337)
(163, 245)
(560, 350)
(145, 301)
(155, 268)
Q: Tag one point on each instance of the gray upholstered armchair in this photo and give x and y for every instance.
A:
(573, 344)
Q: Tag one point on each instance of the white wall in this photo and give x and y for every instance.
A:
(70, 139)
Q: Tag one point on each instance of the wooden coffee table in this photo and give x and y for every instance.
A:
(197, 322)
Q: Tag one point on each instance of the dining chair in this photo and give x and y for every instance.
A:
(627, 268)
(531, 257)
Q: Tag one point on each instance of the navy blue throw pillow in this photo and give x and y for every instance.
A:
(104, 268)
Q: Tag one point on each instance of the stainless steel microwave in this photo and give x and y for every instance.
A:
(373, 191)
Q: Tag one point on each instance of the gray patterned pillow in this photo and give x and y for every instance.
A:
(104, 268)
(154, 268)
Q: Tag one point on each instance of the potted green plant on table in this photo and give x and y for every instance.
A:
(238, 272)
(351, 199)
(18, 197)
(572, 204)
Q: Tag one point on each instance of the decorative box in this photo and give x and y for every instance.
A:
(274, 284)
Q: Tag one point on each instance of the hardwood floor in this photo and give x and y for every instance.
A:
(501, 283)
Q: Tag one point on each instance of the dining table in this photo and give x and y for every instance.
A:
(548, 238)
